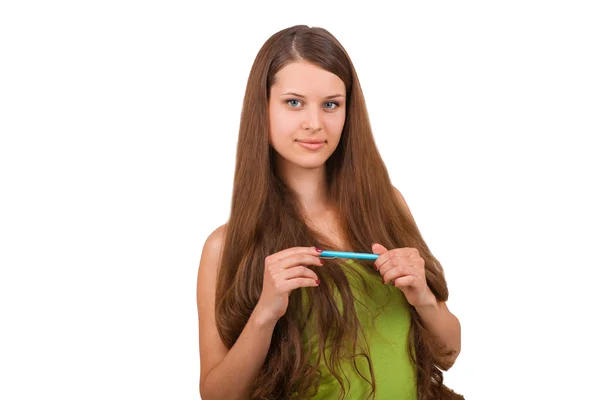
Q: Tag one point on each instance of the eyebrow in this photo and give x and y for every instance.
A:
(299, 95)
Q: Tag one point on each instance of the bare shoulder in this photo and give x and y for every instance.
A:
(214, 242)
(210, 261)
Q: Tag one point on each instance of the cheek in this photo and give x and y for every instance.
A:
(335, 124)
(282, 124)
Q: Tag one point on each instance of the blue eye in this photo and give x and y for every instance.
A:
(332, 104)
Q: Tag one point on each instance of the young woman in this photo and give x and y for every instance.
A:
(276, 320)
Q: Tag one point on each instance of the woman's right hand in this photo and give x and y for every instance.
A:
(285, 271)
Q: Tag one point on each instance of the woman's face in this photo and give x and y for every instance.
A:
(307, 109)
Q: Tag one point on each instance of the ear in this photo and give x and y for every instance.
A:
(378, 249)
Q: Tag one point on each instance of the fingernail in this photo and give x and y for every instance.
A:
(319, 250)
(318, 281)
(322, 261)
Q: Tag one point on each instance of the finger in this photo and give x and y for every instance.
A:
(405, 281)
(396, 272)
(299, 259)
(291, 284)
(280, 255)
(378, 248)
(297, 272)
(391, 262)
(388, 255)
(292, 260)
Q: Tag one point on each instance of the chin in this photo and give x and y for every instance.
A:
(308, 164)
(306, 161)
(312, 166)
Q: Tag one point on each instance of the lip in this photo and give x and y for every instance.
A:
(311, 144)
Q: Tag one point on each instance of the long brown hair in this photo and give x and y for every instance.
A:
(266, 217)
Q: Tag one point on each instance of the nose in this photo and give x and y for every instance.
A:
(312, 121)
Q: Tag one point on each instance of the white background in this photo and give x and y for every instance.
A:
(118, 124)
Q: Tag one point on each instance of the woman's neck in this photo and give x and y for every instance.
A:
(310, 187)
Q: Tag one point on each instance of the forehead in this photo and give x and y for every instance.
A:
(307, 79)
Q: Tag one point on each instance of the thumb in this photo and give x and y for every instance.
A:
(377, 248)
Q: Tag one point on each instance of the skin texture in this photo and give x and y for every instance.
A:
(311, 117)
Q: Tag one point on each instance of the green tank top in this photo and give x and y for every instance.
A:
(387, 336)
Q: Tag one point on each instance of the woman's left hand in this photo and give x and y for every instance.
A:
(406, 269)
